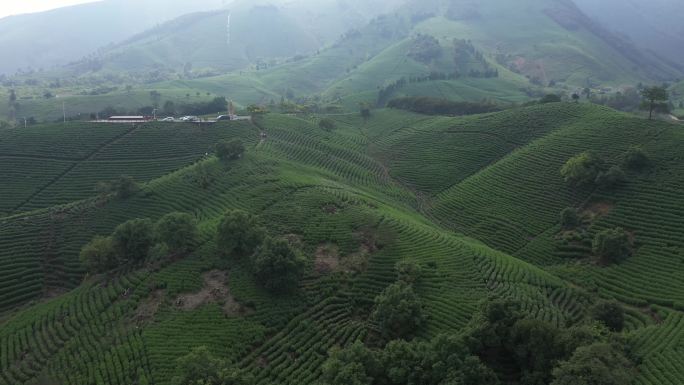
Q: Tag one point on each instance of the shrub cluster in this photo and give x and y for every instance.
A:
(274, 262)
(588, 169)
(500, 339)
(135, 240)
(123, 188)
(436, 106)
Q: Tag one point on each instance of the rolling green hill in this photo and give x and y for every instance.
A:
(475, 201)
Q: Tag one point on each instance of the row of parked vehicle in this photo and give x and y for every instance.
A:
(196, 119)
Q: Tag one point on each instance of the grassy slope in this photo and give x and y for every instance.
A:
(498, 183)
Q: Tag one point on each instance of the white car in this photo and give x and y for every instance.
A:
(189, 119)
(169, 119)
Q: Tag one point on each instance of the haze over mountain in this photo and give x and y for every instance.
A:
(56, 37)
(654, 25)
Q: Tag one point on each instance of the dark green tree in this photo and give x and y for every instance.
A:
(570, 218)
(636, 158)
(583, 169)
(597, 364)
(200, 367)
(122, 188)
(277, 266)
(612, 245)
(355, 365)
(327, 124)
(230, 150)
(12, 104)
(169, 108)
(178, 231)
(537, 347)
(610, 313)
(550, 98)
(575, 98)
(239, 233)
(408, 271)
(365, 110)
(156, 98)
(655, 99)
(132, 240)
(99, 256)
(398, 311)
(611, 178)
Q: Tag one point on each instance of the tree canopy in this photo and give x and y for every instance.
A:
(200, 367)
(229, 150)
(600, 363)
(239, 233)
(612, 245)
(278, 266)
(132, 240)
(610, 313)
(655, 99)
(178, 231)
(99, 256)
(123, 187)
(398, 311)
(583, 169)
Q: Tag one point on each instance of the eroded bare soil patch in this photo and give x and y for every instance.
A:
(215, 290)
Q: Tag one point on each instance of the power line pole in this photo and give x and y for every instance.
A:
(64, 112)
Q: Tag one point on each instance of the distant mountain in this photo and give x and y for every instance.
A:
(654, 25)
(527, 43)
(246, 32)
(56, 37)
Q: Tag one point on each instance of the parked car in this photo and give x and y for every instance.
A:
(169, 119)
(189, 119)
(223, 117)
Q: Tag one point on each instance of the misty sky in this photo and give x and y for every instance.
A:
(15, 7)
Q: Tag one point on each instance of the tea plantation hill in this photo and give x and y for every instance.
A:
(475, 201)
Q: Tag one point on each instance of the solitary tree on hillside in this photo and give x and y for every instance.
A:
(576, 98)
(156, 98)
(230, 150)
(365, 111)
(655, 100)
(169, 108)
(12, 104)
